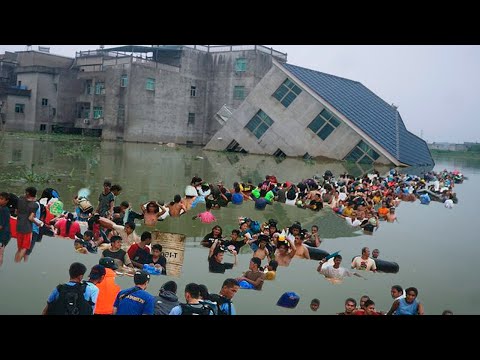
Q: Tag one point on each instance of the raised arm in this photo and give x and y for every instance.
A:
(394, 307)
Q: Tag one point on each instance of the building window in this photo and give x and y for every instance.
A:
(124, 80)
(89, 87)
(324, 124)
(193, 91)
(234, 146)
(150, 84)
(239, 93)
(241, 65)
(100, 88)
(287, 92)
(121, 112)
(43, 127)
(191, 118)
(56, 87)
(279, 154)
(44, 102)
(20, 108)
(54, 112)
(362, 154)
(87, 113)
(97, 112)
(259, 124)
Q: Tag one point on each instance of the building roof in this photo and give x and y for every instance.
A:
(369, 112)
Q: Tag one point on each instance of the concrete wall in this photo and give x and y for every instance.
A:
(289, 133)
(68, 87)
(16, 121)
(27, 121)
(224, 78)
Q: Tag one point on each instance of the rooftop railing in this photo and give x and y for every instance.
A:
(204, 48)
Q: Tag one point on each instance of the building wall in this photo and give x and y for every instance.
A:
(26, 122)
(35, 58)
(16, 121)
(68, 87)
(289, 132)
(223, 79)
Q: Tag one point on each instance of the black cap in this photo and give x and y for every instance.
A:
(108, 262)
(140, 277)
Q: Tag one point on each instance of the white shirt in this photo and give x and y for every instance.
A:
(330, 272)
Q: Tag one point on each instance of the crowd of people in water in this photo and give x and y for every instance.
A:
(363, 202)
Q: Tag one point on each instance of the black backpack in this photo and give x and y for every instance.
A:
(71, 301)
(291, 193)
(220, 300)
(188, 309)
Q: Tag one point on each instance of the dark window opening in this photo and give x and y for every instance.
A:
(191, 119)
(279, 154)
(43, 127)
(234, 146)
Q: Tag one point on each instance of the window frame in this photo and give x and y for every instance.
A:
(236, 92)
(287, 92)
(241, 64)
(124, 80)
(327, 123)
(20, 108)
(362, 151)
(261, 119)
(149, 82)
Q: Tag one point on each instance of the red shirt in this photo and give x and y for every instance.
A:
(133, 249)
(61, 225)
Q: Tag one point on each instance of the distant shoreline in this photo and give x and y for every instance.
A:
(456, 154)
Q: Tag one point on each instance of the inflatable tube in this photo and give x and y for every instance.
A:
(316, 253)
(13, 227)
(435, 196)
(387, 266)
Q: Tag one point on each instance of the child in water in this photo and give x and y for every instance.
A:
(206, 217)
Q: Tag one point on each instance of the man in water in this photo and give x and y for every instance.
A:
(364, 262)
(335, 271)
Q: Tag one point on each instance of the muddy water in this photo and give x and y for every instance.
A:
(422, 243)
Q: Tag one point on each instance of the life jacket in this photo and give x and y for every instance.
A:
(188, 309)
(71, 301)
(220, 300)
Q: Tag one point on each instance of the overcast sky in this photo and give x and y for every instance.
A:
(437, 88)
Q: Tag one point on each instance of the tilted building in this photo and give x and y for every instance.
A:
(243, 98)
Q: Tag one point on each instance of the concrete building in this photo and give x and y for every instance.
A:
(294, 111)
(166, 93)
(43, 96)
(237, 98)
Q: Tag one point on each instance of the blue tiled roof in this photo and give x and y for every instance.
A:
(367, 111)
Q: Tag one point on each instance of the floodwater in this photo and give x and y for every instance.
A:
(436, 248)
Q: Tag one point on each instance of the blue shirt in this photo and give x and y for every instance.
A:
(90, 294)
(225, 306)
(35, 227)
(139, 302)
(405, 308)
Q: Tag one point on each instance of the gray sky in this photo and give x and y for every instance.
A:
(437, 88)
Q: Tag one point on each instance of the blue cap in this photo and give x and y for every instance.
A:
(289, 300)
